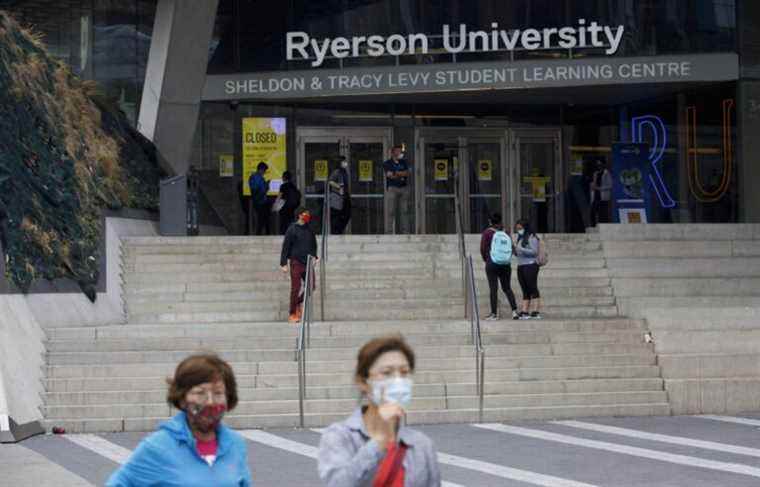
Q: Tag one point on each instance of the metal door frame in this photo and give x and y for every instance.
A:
(544, 133)
(463, 136)
(343, 136)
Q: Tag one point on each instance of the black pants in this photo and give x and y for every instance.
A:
(527, 275)
(262, 213)
(338, 221)
(600, 212)
(287, 217)
(499, 273)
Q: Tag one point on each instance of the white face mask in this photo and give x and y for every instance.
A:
(395, 389)
(344, 165)
(521, 232)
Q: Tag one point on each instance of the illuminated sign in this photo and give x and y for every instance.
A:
(657, 149)
(699, 192)
(301, 46)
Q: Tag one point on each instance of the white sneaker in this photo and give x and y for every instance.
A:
(536, 316)
(524, 316)
(515, 315)
(492, 317)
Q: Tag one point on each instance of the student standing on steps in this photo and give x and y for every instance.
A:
(373, 447)
(527, 248)
(300, 242)
(496, 250)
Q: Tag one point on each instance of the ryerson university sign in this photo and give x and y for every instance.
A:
(448, 77)
(300, 46)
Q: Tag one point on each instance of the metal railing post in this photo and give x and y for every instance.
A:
(477, 339)
(303, 339)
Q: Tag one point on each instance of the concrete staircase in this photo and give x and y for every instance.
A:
(698, 287)
(227, 294)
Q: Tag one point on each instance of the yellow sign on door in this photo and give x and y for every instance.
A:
(538, 184)
(441, 169)
(320, 170)
(226, 165)
(365, 171)
(485, 170)
(264, 141)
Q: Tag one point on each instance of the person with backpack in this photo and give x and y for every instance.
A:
(291, 199)
(527, 249)
(259, 188)
(496, 251)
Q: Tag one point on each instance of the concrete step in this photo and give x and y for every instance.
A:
(639, 306)
(686, 287)
(91, 425)
(675, 231)
(333, 380)
(327, 406)
(334, 328)
(710, 365)
(547, 300)
(680, 249)
(713, 267)
(349, 391)
(260, 358)
(723, 314)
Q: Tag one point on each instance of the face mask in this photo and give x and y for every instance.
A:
(521, 232)
(205, 418)
(344, 165)
(306, 218)
(396, 389)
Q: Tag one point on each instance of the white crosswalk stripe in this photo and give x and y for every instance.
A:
(731, 419)
(295, 447)
(674, 440)
(101, 446)
(624, 449)
(443, 458)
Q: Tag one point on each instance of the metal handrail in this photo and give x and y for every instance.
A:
(323, 250)
(460, 242)
(304, 336)
(477, 340)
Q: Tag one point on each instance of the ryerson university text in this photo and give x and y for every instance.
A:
(300, 46)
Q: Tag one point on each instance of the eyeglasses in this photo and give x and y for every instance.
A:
(202, 397)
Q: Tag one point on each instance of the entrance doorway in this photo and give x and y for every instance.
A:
(512, 171)
(320, 151)
(460, 162)
(538, 182)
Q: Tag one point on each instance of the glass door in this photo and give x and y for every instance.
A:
(485, 181)
(365, 157)
(321, 151)
(321, 155)
(537, 164)
(441, 169)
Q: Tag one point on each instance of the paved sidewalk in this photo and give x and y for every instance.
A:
(685, 451)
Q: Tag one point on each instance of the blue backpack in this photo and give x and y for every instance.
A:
(501, 248)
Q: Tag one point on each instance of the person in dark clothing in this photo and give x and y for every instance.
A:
(498, 271)
(292, 198)
(300, 242)
(601, 194)
(259, 189)
(340, 199)
(527, 248)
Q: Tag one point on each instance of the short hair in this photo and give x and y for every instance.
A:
(262, 165)
(199, 369)
(301, 209)
(495, 218)
(373, 349)
(399, 147)
(287, 176)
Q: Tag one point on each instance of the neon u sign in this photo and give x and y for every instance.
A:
(659, 136)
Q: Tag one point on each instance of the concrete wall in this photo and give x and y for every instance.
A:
(23, 319)
(698, 287)
(74, 309)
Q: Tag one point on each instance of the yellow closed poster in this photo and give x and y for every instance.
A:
(365, 171)
(320, 170)
(441, 169)
(264, 140)
(485, 170)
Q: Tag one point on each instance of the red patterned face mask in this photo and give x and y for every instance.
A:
(306, 218)
(205, 418)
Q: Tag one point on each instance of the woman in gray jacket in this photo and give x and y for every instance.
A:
(526, 249)
(373, 447)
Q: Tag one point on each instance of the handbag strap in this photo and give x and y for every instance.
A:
(386, 478)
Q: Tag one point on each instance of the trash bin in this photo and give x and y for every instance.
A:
(173, 206)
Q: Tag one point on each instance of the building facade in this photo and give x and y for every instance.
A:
(506, 105)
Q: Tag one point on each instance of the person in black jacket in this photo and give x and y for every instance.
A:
(292, 198)
(300, 242)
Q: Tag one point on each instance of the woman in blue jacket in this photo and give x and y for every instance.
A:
(193, 448)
